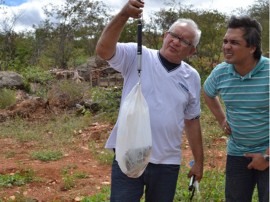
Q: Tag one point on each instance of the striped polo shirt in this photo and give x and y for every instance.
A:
(246, 99)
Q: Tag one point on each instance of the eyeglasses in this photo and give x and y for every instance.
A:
(184, 42)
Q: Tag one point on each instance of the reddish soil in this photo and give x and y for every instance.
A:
(51, 187)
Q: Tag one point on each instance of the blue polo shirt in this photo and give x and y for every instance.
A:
(246, 99)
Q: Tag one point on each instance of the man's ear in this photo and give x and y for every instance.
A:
(193, 51)
(252, 49)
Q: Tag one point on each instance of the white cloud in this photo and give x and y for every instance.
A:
(32, 13)
(223, 6)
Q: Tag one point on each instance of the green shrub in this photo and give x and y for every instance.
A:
(109, 101)
(47, 155)
(67, 93)
(18, 179)
(7, 98)
(103, 196)
(69, 182)
(36, 75)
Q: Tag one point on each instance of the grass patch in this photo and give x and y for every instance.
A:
(47, 155)
(70, 176)
(17, 179)
(211, 188)
(7, 98)
(80, 175)
(57, 131)
(104, 156)
(109, 102)
(103, 196)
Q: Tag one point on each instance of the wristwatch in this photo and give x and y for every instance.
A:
(266, 157)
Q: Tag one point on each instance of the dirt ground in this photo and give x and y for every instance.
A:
(50, 187)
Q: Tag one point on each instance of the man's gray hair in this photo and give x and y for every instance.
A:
(191, 24)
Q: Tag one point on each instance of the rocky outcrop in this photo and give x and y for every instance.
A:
(9, 79)
(96, 71)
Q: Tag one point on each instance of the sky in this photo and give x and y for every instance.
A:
(31, 10)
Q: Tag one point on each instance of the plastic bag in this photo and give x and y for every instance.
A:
(134, 138)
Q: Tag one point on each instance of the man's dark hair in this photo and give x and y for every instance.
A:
(253, 32)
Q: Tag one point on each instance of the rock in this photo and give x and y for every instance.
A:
(10, 80)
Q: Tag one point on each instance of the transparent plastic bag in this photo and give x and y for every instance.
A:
(134, 138)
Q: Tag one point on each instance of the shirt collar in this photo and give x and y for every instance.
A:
(258, 67)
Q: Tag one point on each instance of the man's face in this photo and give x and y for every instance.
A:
(177, 44)
(235, 48)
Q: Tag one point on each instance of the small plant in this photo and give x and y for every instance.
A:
(47, 155)
(7, 98)
(69, 182)
(18, 179)
(109, 101)
(36, 75)
(69, 179)
(80, 175)
(66, 93)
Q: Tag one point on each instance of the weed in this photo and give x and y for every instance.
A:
(17, 179)
(103, 196)
(80, 175)
(109, 101)
(36, 75)
(47, 155)
(69, 182)
(55, 132)
(7, 98)
(67, 93)
(69, 179)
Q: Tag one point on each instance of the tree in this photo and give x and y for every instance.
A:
(7, 37)
(260, 11)
(211, 39)
(76, 23)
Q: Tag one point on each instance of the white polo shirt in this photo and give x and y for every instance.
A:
(171, 96)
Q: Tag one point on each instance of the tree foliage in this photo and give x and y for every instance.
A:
(7, 37)
(260, 11)
(68, 35)
(76, 25)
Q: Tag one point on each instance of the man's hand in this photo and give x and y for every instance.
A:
(197, 170)
(133, 9)
(258, 162)
(106, 45)
(226, 127)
